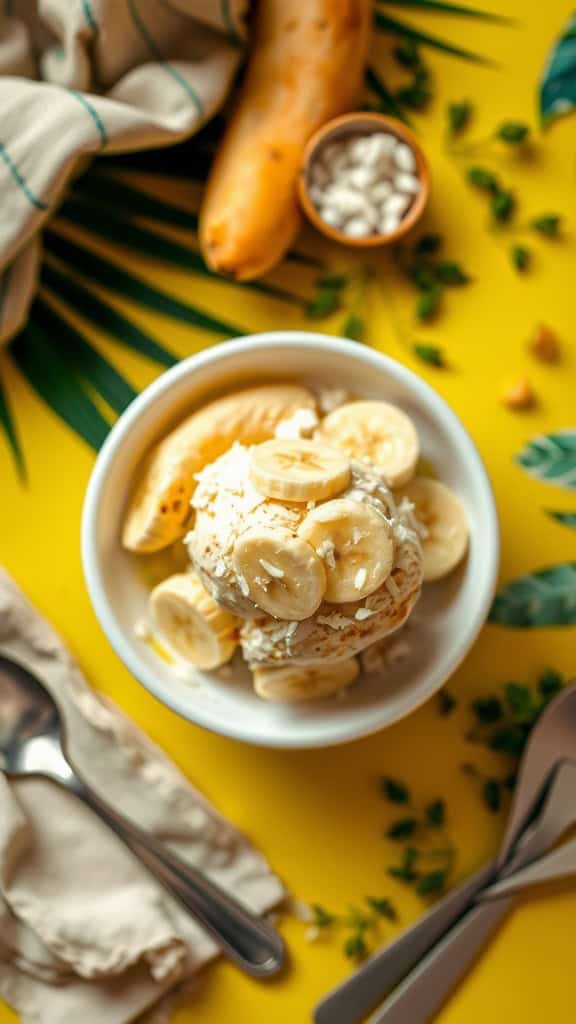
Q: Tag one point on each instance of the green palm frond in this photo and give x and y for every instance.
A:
(8, 427)
(387, 100)
(105, 190)
(443, 7)
(385, 23)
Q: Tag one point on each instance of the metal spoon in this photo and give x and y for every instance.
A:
(33, 742)
(553, 739)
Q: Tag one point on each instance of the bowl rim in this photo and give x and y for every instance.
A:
(91, 563)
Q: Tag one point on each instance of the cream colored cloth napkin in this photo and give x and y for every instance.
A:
(80, 77)
(85, 933)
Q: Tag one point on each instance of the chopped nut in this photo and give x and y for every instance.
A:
(520, 396)
(544, 345)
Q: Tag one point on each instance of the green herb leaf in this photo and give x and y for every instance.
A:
(509, 781)
(427, 244)
(520, 701)
(459, 116)
(436, 813)
(408, 55)
(558, 86)
(353, 327)
(520, 256)
(422, 277)
(543, 598)
(404, 828)
(513, 132)
(325, 302)
(406, 872)
(451, 273)
(106, 190)
(430, 354)
(551, 457)
(395, 791)
(446, 702)
(482, 179)
(429, 303)
(384, 23)
(355, 947)
(547, 224)
(414, 96)
(550, 683)
(321, 917)
(383, 907)
(488, 710)
(566, 518)
(388, 103)
(503, 205)
(492, 795)
(431, 884)
(509, 740)
(333, 280)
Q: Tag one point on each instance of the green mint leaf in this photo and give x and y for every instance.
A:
(431, 884)
(353, 327)
(382, 907)
(509, 740)
(430, 354)
(458, 115)
(487, 710)
(406, 871)
(503, 206)
(427, 244)
(520, 256)
(355, 947)
(549, 684)
(395, 791)
(513, 132)
(428, 303)
(482, 179)
(422, 277)
(520, 701)
(414, 96)
(325, 302)
(436, 813)
(547, 224)
(492, 795)
(322, 918)
(451, 273)
(446, 702)
(408, 55)
(404, 828)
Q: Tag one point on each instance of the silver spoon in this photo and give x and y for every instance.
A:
(33, 742)
(553, 739)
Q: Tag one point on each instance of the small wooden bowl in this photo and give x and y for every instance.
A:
(363, 123)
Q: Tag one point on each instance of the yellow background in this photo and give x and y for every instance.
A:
(317, 815)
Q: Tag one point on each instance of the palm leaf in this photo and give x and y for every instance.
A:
(385, 23)
(104, 316)
(152, 245)
(9, 428)
(58, 384)
(110, 275)
(447, 8)
(187, 161)
(543, 598)
(552, 458)
(388, 101)
(92, 367)
(103, 189)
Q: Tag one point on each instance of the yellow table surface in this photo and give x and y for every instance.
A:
(317, 814)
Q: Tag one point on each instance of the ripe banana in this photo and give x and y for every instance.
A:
(281, 573)
(298, 470)
(357, 545)
(191, 624)
(376, 431)
(160, 508)
(292, 683)
(445, 539)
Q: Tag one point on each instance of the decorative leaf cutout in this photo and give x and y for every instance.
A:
(566, 518)
(448, 8)
(104, 316)
(95, 371)
(543, 598)
(558, 85)
(112, 276)
(8, 426)
(552, 457)
(385, 23)
(103, 189)
(58, 384)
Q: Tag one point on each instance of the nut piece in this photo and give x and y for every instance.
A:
(544, 345)
(520, 397)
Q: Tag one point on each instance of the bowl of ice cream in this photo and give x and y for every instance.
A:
(290, 539)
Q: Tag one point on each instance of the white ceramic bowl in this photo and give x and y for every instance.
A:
(449, 615)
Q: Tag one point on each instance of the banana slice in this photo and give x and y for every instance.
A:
(445, 541)
(159, 510)
(292, 683)
(357, 545)
(191, 624)
(298, 470)
(376, 431)
(281, 573)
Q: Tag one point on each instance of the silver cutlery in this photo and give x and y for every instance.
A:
(33, 742)
(552, 739)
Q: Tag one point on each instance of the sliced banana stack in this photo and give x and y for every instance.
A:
(281, 573)
(191, 624)
(291, 683)
(356, 543)
(376, 431)
(159, 511)
(298, 470)
(445, 535)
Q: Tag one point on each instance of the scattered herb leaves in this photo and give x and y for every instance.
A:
(513, 133)
(395, 791)
(427, 244)
(406, 870)
(520, 256)
(321, 917)
(503, 205)
(451, 273)
(404, 828)
(487, 709)
(431, 884)
(428, 303)
(430, 354)
(482, 179)
(491, 794)
(382, 907)
(547, 224)
(353, 327)
(458, 116)
(436, 813)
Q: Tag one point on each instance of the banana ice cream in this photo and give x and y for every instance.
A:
(309, 536)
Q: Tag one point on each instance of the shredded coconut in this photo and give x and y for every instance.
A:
(220, 568)
(335, 621)
(360, 579)
(272, 570)
(243, 584)
(392, 587)
(302, 423)
(326, 550)
(332, 398)
(364, 613)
